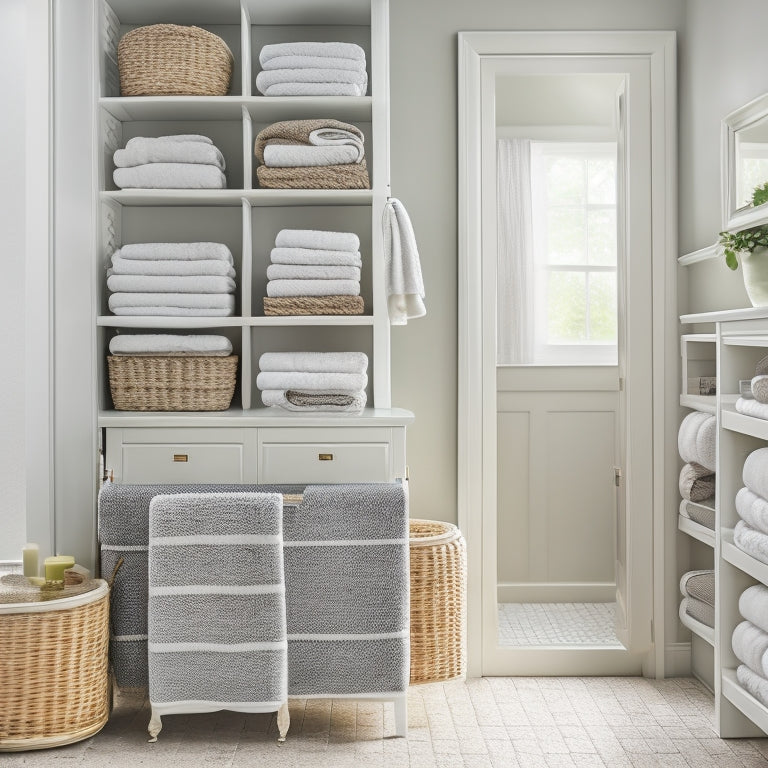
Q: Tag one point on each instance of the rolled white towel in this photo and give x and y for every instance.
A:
(314, 62)
(696, 439)
(318, 381)
(309, 256)
(314, 89)
(302, 156)
(753, 542)
(140, 150)
(750, 407)
(755, 472)
(170, 267)
(175, 251)
(752, 509)
(154, 344)
(750, 644)
(332, 362)
(753, 605)
(306, 272)
(170, 284)
(224, 301)
(313, 288)
(756, 685)
(170, 176)
(290, 400)
(315, 239)
(323, 50)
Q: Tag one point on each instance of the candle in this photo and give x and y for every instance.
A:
(55, 567)
(36, 581)
(29, 556)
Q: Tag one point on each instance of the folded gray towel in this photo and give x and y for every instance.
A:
(175, 252)
(700, 611)
(292, 400)
(170, 176)
(122, 266)
(141, 150)
(170, 284)
(700, 585)
(696, 482)
(313, 288)
(330, 362)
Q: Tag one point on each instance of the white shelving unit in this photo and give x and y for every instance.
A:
(740, 340)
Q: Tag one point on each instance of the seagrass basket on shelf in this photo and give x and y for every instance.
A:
(173, 60)
(54, 687)
(438, 601)
(172, 383)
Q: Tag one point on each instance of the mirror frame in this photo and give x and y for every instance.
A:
(739, 218)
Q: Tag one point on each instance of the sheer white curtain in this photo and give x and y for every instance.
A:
(515, 276)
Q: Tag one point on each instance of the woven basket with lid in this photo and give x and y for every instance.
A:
(173, 60)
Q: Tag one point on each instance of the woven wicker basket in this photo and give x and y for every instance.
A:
(438, 602)
(54, 670)
(171, 60)
(172, 383)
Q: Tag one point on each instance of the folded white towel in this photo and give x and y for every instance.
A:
(316, 239)
(316, 381)
(324, 50)
(152, 344)
(696, 439)
(750, 644)
(170, 267)
(754, 684)
(306, 272)
(402, 267)
(753, 605)
(224, 301)
(750, 407)
(170, 284)
(314, 89)
(313, 288)
(332, 362)
(752, 509)
(170, 176)
(290, 400)
(175, 251)
(755, 472)
(172, 311)
(308, 256)
(302, 156)
(140, 150)
(268, 77)
(337, 137)
(751, 541)
(179, 137)
(314, 62)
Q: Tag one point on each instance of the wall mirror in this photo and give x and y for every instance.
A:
(745, 163)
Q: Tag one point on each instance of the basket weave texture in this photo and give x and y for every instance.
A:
(54, 672)
(173, 60)
(438, 601)
(172, 383)
(313, 305)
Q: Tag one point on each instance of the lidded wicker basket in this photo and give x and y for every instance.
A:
(172, 383)
(173, 60)
(438, 601)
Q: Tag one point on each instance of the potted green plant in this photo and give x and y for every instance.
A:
(750, 246)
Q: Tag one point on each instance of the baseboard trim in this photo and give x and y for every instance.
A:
(556, 592)
(677, 660)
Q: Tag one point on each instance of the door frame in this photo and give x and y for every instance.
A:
(477, 478)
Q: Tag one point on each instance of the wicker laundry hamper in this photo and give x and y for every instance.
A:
(54, 682)
(173, 60)
(438, 601)
(172, 383)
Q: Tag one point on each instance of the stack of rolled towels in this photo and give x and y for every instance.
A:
(311, 154)
(170, 345)
(170, 162)
(751, 531)
(314, 381)
(696, 443)
(698, 591)
(754, 401)
(314, 272)
(176, 279)
(750, 642)
(312, 69)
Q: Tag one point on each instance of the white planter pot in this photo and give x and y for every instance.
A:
(755, 268)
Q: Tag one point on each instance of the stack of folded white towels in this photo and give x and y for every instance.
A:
(696, 443)
(170, 162)
(312, 69)
(750, 642)
(314, 381)
(698, 591)
(751, 531)
(170, 345)
(179, 279)
(317, 265)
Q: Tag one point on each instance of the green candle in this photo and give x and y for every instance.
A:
(55, 567)
(29, 556)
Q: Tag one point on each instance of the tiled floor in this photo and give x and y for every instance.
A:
(487, 723)
(557, 624)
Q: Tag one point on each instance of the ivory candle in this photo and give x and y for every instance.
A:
(30, 558)
(55, 567)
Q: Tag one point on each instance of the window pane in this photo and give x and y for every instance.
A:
(754, 173)
(566, 308)
(565, 181)
(566, 236)
(602, 236)
(602, 307)
(601, 181)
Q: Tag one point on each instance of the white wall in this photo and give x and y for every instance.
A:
(12, 236)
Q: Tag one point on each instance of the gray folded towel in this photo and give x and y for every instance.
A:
(700, 585)
(170, 176)
(174, 252)
(313, 288)
(292, 400)
(141, 150)
(696, 482)
(170, 284)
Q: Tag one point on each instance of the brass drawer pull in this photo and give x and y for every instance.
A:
(325, 456)
(181, 457)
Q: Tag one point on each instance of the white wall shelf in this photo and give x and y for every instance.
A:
(696, 530)
(745, 425)
(705, 403)
(235, 197)
(743, 701)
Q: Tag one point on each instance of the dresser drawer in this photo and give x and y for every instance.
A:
(182, 463)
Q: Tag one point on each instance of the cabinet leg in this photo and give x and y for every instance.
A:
(155, 726)
(283, 721)
(401, 716)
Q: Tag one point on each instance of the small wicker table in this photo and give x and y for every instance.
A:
(53, 667)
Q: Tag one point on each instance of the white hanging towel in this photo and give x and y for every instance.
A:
(405, 286)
